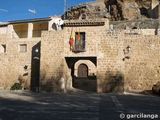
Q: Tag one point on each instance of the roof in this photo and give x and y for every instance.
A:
(30, 20)
(3, 24)
(83, 23)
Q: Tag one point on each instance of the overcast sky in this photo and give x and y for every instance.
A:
(18, 9)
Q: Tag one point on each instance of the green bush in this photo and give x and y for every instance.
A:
(16, 86)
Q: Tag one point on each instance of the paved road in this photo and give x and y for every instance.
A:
(76, 106)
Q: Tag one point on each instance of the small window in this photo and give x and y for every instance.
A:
(79, 41)
(23, 48)
(3, 48)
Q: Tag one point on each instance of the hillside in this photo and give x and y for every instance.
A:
(115, 10)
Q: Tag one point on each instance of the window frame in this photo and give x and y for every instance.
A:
(4, 48)
(82, 46)
(22, 51)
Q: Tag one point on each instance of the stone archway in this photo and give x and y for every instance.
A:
(85, 75)
(90, 65)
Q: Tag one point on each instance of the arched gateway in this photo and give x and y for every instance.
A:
(85, 75)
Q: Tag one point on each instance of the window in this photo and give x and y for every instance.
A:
(3, 48)
(23, 48)
(79, 44)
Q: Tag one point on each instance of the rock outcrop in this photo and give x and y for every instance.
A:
(130, 9)
(115, 10)
(90, 10)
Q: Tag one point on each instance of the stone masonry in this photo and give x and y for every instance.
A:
(119, 59)
(116, 68)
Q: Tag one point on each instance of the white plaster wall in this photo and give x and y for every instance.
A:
(3, 30)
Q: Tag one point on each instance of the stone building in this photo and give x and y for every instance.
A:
(106, 56)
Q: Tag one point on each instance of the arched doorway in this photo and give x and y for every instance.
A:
(83, 71)
(85, 75)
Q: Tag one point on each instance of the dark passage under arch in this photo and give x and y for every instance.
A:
(81, 77)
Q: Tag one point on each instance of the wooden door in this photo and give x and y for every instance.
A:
(82, 70)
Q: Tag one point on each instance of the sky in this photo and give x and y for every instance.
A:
(18, 9)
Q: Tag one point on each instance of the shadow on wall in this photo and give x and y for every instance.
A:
(85, 84)
(21, 30)
(153, 13)
(113, 82)
(53, 83)
(35, 67)
(23, 81)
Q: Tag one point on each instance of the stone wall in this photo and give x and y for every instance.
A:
(123, 70)
(52, 60)
(136, 24)
(12, 62)
(142, 69)
(92, 36)
(106, 56)
(116, 68)
(110, 67)
(3, 30)
(56, 67)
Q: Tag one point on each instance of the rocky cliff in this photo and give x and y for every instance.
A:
(128, 9)
(115, 10)
(90, 10)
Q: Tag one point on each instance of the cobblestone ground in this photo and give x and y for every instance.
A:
(74, 106)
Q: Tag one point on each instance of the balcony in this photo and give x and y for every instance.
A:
(20, 31)
(79, 45)
(19, 34)
(78, 49)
